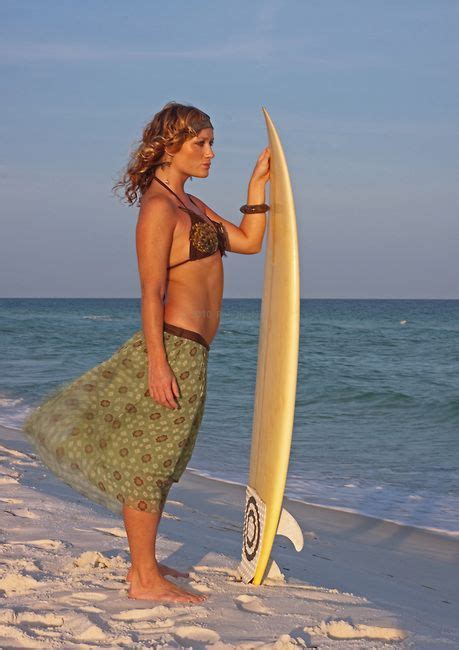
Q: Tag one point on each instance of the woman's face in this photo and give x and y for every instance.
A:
(195, 155)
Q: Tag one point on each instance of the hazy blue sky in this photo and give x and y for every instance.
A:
(364, 95)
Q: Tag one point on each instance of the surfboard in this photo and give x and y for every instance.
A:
(276, 377)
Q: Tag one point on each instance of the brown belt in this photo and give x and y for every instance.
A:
(188, 334)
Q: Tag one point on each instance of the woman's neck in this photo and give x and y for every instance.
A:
(176, 181)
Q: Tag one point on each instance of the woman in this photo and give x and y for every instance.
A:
(124, 431)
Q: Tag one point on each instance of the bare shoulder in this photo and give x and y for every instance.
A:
(154, 235)
(157, 211)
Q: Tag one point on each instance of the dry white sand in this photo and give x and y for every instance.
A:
(359, 582)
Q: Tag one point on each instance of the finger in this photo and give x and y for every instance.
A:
(168, 397)
(156, 395)
(159, 401)
(175, 387)
(163, 398)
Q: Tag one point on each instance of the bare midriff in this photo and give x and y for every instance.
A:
(194, 294)
(194, 290)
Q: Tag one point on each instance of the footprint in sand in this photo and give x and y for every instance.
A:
(159, 616)
(15, 638)
(82, 629)
(79, 598)
(45, 633)
(42, 618)
(11, 501)
(16, 565)
(146, 619)
(149, 614)
(251, 604)
(189, 633)
(93, 596)
(131, 615)
(46, 544)
(340, 630)
(16, 583)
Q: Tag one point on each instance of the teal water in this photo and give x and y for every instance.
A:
(377, 406)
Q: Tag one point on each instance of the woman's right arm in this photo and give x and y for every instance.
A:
(154, 233)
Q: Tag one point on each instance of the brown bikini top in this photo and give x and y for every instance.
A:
(205, 238)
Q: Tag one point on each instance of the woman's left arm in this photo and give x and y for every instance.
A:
(247, 238)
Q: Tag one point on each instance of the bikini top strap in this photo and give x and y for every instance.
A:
(170, 190)
(192, 201)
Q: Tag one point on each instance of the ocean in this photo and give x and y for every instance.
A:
(376, 425)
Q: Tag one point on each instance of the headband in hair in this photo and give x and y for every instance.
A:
(199, 124)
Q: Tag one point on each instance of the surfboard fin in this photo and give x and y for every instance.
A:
(290, 528)
(273, 572)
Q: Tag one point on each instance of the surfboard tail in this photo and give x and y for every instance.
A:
(254, 520)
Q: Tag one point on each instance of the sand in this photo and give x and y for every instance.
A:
(359, 582)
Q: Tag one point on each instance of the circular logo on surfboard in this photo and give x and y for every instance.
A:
(252, 526)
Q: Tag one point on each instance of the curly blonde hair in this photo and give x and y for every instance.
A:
(170, 127)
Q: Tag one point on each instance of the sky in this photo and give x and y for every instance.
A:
(364, 95)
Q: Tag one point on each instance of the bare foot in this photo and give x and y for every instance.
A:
(161, 589)
(164, 571)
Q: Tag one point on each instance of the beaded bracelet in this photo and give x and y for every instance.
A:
(253, 209)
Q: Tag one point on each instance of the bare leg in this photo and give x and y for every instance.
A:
(147, 581)
(163, 568)
(164, 571)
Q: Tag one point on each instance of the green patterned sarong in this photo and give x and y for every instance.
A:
(106, 437)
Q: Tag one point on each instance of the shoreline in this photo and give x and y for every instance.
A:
(454, 534)
(451, 534)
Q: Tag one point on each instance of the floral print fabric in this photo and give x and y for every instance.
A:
(103, 434)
